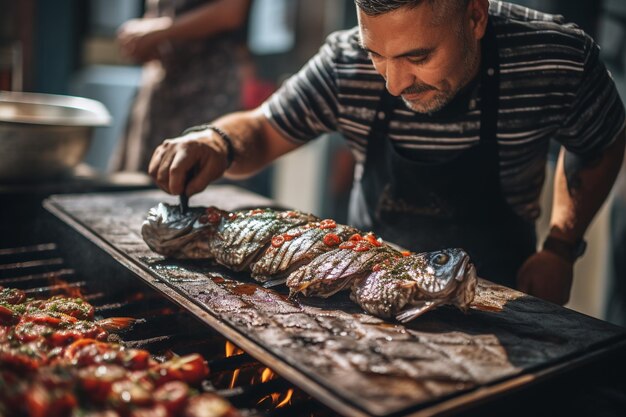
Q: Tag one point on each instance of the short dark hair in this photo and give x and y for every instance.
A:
(378, 7)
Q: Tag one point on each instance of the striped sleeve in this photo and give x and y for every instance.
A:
(306, 104)
(596, 114)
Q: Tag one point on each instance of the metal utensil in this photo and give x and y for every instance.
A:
(184, 198)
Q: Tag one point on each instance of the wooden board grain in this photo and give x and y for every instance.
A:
(355, 363)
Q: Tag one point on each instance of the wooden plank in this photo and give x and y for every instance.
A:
(353, 362)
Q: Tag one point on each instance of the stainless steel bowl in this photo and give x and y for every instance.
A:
(44, 136)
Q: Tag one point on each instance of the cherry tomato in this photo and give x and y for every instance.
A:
(278, 240)
(172, 395)
(331, 239)
(406, 253)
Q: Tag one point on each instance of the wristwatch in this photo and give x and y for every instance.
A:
(566, 250)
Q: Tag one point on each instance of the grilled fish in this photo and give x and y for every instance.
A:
(335, 270)
(242, 235)
(315, 257)
(183, 236)
(407, 287)
(298, 247)
(231, 238)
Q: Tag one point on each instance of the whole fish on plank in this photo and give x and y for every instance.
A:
(409, 286)
(315, 257)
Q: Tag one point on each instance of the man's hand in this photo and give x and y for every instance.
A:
(547, 276)
(204, 153)
(142, 40)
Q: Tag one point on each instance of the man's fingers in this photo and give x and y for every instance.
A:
(155, 162)
(163, 171)
(202, 178)
(182, 163)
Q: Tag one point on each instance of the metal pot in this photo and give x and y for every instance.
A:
(43, 136)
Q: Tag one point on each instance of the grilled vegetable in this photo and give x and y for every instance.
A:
(54, 362)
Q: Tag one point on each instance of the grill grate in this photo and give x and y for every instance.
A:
(163, 328)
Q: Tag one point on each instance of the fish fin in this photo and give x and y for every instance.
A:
(417, 309)
(274, 282)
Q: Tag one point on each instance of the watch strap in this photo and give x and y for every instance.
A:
(566, 250)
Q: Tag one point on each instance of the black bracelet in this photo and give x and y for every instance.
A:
(230, 149)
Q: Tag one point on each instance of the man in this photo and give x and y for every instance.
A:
(449, 107)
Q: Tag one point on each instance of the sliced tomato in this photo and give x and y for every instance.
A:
(172, 395)
(95, 381)
(157, 410)
(191, 369)
(209, 405)
(331, 239)
(7, 316)
(328, 224)
(278, 240)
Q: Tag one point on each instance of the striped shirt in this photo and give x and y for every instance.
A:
(552, 86)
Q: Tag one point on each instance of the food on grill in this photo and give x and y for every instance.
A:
(315, 257)
(298, 247)
(54, 361)
(338, 269)
(409, 286)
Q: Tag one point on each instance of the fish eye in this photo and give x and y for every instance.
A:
(441, 259)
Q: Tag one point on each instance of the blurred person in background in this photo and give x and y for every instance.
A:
(449, 107)
(195, 60)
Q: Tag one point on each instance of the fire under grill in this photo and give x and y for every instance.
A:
(163, 328)
(327, 352)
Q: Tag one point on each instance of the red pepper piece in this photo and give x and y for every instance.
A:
(355, 237)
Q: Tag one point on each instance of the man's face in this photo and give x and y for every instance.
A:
(423, 62)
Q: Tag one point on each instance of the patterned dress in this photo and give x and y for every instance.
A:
(194, 82)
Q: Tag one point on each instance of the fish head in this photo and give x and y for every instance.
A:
(169, 232)
(446, 273)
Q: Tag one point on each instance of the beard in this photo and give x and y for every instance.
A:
(446, 92)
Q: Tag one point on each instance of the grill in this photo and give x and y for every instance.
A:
(164, 329)
(334, 359)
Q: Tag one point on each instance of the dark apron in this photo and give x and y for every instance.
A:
(457, 203)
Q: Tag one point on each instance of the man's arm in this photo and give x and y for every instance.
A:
(581, 186)
(204, 154)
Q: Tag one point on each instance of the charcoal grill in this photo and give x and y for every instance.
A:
(163, 328)
(446, 363)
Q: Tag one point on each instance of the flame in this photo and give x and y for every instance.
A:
(266, 375)
(232, 350)
(286, 400)
(65, 287)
